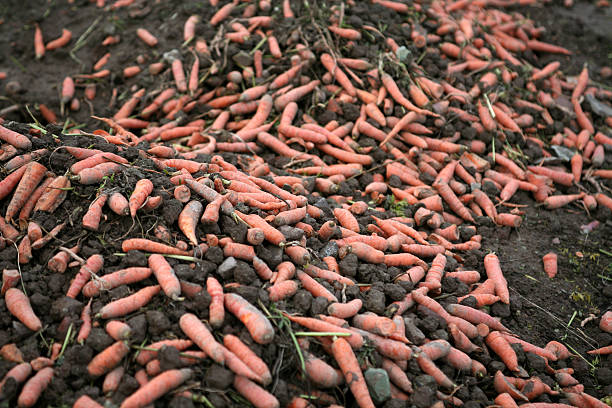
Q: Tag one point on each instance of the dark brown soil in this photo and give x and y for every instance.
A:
(541, 309)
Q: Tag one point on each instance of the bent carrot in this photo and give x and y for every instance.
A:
(59, 42)
(494, 272)
(351, 370)
(32, 176)
(92, 267)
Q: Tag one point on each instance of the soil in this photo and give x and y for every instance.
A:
(541, 309)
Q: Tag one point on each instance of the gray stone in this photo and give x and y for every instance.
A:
(226, 269)
(378, 384)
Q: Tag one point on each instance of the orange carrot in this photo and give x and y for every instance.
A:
(142, 190)
(434, 274)
(146, 37)
(34, 387)
(346, 219)
(34, 172)
(60, 41)
(558, 201)
(259, 397)
(314, 287)
(107, 359)
(19, 305)
(382, 326)
(142, 244)
(550, 264)
(188, 220)
(453, 202)
(202, 337)
(86, 326)
(494, 272)
(601, 351)
(91, 219)
(243, 352)
(11, 353)
(257, 324)
(217, 312)
(19, 374)
(39, 43)
(92, 267)
(95, 174)
(129, 304)
(10, 279)
(502, 348)
(321, 373)
(351, 370)
(179, 75)
(157, 387)
(86, 401)
(119, 204)
(118, 330)
(165, 276)
(345, 310)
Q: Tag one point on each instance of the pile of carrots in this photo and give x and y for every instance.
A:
(259, 158)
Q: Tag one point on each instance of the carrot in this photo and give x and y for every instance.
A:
(91, 219)
(19, 374)
(118, 330)
(142, 190)
(601, 351)
(550, 264)
(397, 375)
(129, 304)
(202, 337)
(559, 201)
(34, 387)
(429, 367)
(188, 220)
(92, 267)
(346, 219)
(344, 310)
(146, 37)
(355, 339)
(382, 326)
(165, 276)
(10, 279)
(39, 44)
(434, 274)
(453, 202)
(10, 352)
(112, 380)
(86, 326)
(119, 204)
(494, 272)
(144, 356)
(179, 75)
(157, 387)
(32, 176)
(256, 364)
(19, 305)
(59, 42)
(502, 348)
(86, 401)
(503, 385)
(314, 287)
(142, 244)
(95, 174)
(321, 373)
(257, 324)
(217, 312)
(259, 397)
(475, 316)
(107, 359)
(272, 235)
(342, 352)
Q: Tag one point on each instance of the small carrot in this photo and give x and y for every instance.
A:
(32, 176)
(107, 359)
(95, 174)
(142, 190)
(86, 326)
(118, 204)
(19, 305)
(129, 304)
(10, 352)
(494, 272)
(142, 244)
(217, 312)
(93, 265)
(165, 276)
(39, 43)
(60, 41)
(91, 219)
(550, 264)
(86, 401)
(351, 370)
(258, 325)
(34, 387)
(188, 220)
(118, 330)
(146, 37)
(112, 380)
(255, 363)
(157, 387)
